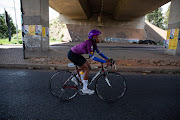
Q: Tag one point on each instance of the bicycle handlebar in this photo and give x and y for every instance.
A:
(113, 63)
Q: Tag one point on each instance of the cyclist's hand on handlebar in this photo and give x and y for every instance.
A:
(108, 62)
(112, 61)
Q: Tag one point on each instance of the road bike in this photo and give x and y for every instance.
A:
(109, 86)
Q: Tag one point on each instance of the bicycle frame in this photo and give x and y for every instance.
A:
(102, 70)
(98, 73)
(71, 86)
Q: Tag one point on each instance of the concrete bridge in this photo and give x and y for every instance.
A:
(113, 9)
(115, 18)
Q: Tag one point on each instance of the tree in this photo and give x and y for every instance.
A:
(4, 28)
(166, 18)
(156, 18)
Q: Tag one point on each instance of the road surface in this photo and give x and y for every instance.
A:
(24, 95)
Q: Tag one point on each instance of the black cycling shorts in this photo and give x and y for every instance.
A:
(76, 58)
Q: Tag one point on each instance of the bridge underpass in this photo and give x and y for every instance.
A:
(115, 18)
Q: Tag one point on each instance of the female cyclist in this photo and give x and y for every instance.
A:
(87, 47)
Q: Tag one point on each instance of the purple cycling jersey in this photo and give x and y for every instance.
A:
(83, 48)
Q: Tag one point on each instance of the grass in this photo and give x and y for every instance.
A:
(54, 40)
(6, 41)
(14, 41)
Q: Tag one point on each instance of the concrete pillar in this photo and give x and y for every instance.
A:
(36, 25)
(174, 23)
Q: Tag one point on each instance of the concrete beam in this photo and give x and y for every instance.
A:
(86, 7)
(120, 9)
(72, 9)
(130, 9)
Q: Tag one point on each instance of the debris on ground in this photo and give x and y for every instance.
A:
(131, 62)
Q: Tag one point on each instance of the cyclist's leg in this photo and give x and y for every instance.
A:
(83, 64)
(86, 67)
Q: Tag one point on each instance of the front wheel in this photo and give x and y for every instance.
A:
(110, 86)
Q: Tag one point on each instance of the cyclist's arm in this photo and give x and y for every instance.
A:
(92, 56)
(101, 54)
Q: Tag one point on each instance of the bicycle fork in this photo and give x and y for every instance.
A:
(107, 80)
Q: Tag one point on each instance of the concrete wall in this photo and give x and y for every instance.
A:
(80, 32)
(36, 13)
(155, 33)
(110, 28)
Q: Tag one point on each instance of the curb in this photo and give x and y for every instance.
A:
(157, 70)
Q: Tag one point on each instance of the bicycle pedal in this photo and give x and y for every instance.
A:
(81, 93)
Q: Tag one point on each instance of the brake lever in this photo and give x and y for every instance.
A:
(115, 66)
(113, 62)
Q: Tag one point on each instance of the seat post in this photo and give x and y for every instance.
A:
(76, 67)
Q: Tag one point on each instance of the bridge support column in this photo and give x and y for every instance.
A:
(36, 25)
(173, 34)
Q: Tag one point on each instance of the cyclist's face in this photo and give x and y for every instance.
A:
(98, 39)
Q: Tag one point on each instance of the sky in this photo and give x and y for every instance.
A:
(9, 6)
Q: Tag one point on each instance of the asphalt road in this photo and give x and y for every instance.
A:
(24, 95)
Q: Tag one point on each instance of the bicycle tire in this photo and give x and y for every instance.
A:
(107, 93)
(62, 87)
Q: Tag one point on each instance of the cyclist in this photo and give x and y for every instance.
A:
(87, 47)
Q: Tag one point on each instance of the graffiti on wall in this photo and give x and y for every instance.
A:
(34, 35)
(36, 30)
(172, 38)
(122, 40)
(32, 30)
(26, 29)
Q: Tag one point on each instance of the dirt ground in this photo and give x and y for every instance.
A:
(123, 54)
(118, 62)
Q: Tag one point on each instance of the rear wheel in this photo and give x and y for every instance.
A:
(110, 86)
(62, 86)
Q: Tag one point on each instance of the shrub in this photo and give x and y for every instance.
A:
(53, 39)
